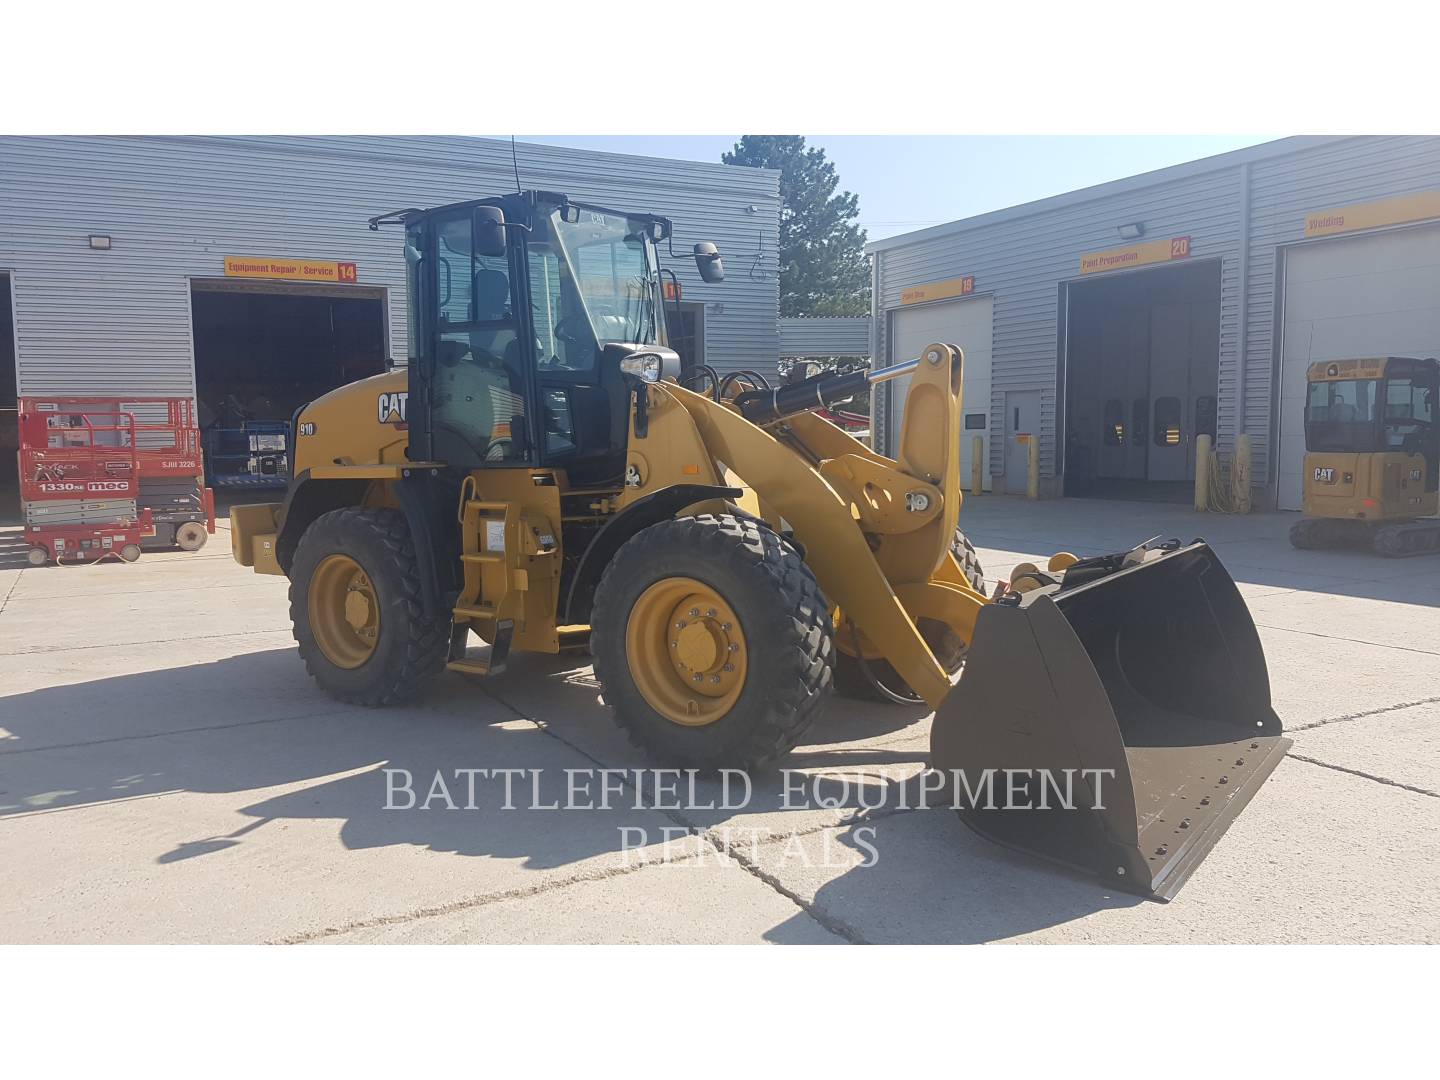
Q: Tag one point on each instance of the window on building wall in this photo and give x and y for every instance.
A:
(1167, 421)
(1205, 416)
(1114, 422)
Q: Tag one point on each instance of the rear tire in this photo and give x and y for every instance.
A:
(405, 648)
(850, 679)
(784, 643)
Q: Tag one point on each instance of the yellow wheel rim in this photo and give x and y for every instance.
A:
(686, 651)
(344, 611)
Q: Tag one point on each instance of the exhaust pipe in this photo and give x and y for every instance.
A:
(1138, 686)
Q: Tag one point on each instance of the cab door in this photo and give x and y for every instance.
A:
(477, 377)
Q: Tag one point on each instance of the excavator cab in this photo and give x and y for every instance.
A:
(1372, 456)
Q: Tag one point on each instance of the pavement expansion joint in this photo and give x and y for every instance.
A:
(824, 920)
(306, 715)
(1290, 728)
(519, 893)
(41, 649)
(1364, 775)
(1348, 640)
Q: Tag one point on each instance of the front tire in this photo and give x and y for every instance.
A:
(712, 642)
(355, 604)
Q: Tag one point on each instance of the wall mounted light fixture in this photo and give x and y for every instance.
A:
(99, 243)
(1132, 231)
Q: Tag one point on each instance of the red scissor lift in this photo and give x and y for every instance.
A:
(108, 476)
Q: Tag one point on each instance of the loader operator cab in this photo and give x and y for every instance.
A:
(531, 317)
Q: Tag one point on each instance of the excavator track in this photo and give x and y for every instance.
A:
(1408, 539)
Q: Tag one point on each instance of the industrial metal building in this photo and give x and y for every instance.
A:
(1119, 321)
(242, 270)
(825, 336)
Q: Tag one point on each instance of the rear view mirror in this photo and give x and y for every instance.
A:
(489, 232)
(708, 262)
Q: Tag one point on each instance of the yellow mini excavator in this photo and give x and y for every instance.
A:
(1372, 456)
(545, 475)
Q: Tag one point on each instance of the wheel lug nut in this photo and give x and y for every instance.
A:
(714, 678)
(698, 676)
(734, 647)
(694, 612)
(680, 625)
(711, 613)
(724, 626)
(728, 667)
(674, 644)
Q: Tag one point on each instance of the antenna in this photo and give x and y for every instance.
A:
(514, 160)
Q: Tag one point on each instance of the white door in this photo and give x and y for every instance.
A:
(1022, 425)
(1358, 296)
(969, 324)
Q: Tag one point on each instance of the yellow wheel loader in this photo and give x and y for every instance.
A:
(543, 475)
(1372, 456)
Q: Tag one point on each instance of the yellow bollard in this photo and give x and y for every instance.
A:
(1032, 483)
(1240, 475)
(1202, 473)
(977, 477)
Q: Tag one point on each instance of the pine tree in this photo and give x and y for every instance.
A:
(823, 266)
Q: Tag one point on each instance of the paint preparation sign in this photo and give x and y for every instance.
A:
(939, 290)
(248, 266)
(1152, 251)
(1373, 215)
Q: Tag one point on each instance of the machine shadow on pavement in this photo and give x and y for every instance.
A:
(268, 728)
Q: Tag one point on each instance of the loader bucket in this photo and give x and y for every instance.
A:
(1148, 684)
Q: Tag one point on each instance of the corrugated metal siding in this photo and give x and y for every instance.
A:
(825, 335)
(119, 321)
(1022, 262)
(1023, 258)
(1283, 191)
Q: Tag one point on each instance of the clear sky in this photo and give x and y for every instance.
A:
(908, 182)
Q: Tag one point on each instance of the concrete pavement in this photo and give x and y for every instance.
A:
(168, 773)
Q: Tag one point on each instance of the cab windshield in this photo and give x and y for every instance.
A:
(592, 282)
(1340, 416)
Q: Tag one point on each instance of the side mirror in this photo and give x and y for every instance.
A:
(708, 262)
(489, 232)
